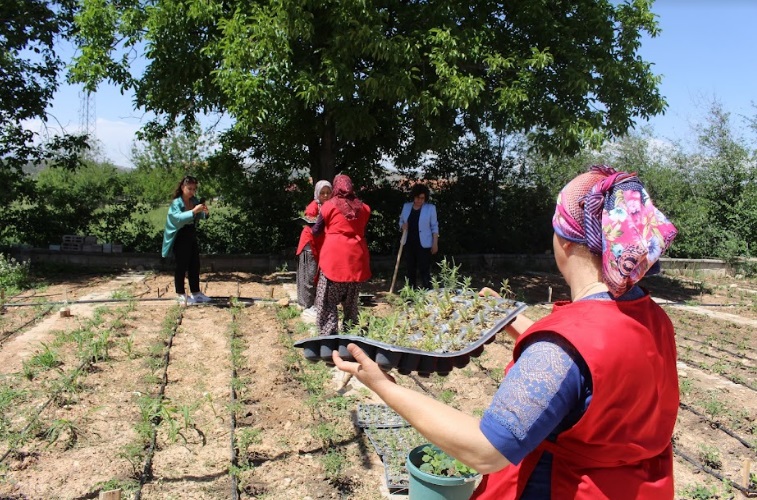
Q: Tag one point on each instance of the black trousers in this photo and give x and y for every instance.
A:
(186, 251)
(418, 260)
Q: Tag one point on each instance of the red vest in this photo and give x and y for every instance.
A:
(344, 255)
(306, 236)
(621, 447)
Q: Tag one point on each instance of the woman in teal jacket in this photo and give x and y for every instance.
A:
(180, 235)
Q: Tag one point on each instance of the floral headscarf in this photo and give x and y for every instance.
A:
(319, 187)
(344, 197)
(611, 213)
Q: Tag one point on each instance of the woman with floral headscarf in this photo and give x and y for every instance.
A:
(344, 260)
(589, 401)
(308, 249)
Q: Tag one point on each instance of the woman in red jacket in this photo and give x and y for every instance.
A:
(309, 248)
(344, 258)
(588, 403)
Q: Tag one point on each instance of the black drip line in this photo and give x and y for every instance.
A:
(147, 469)
(717, 425)
(745, 490)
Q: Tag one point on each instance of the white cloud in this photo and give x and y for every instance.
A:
(115, 138)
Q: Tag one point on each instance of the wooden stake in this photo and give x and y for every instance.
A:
(110, 495)
(238, 289)
(549, 294)
(746, 473)
(65, 311)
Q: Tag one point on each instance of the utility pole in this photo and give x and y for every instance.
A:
(88, 115)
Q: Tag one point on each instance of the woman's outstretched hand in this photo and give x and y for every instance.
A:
(363, 368)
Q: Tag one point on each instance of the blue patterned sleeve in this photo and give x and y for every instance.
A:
(548, 385)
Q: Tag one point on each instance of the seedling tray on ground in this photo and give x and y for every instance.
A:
(405, 359)
(392, 438)
(378, 416)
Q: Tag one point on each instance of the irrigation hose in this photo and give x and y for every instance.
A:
(147, 469)
(105, 301)
(744, 489)
(233, 425)
(39, 410)
(717, 425)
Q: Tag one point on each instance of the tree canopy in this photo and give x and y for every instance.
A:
(29, 75)
(329, 85)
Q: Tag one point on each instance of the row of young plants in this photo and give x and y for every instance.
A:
(163, 421)
(720, 439)
(55, 375)
(58, 374)
(333, 430)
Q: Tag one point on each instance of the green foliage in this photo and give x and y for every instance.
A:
(63, 428)
(334, 463)
(126, 223)
(161, 163)
(700, 492)
(30, 66)
(493, 192)
(344, 84)
(438, 463)
(710, 457)
(14, 275)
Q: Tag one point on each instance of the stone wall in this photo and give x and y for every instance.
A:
(263, 264)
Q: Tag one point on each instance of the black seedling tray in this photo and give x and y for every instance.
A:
(392, 445)
(405, 359)
(378, 416)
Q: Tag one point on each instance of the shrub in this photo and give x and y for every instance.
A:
(14, 276)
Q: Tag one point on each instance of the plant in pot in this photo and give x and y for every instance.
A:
(434, 475)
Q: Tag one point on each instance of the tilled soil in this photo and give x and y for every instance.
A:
(133, 392)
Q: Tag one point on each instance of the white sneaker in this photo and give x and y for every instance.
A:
(184, 300)
(200, 297)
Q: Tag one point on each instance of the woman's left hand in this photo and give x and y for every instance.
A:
(363, 368)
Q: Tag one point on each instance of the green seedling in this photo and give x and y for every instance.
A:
(438, 463)
(127, 346)
(62, 427)
(710, 457)
(447, 396)
(326, 433)
(246, 437)
(333, 463)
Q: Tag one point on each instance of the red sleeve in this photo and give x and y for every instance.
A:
(312, 209)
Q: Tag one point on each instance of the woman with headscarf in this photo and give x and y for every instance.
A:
(589, 401)
(344, 260)
(309, 248)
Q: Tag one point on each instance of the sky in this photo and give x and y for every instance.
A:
(704, 54)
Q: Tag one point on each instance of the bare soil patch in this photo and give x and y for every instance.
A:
(133, 392)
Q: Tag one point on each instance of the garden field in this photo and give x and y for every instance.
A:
(130, 391)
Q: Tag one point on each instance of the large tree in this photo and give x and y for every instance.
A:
(330, 85)
(30, 71)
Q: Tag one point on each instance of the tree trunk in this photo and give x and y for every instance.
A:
(323, 151)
